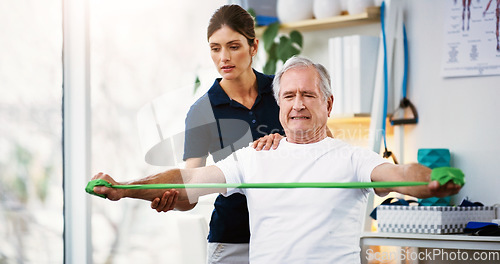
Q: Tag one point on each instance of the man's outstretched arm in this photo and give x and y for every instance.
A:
(412, 172)
(210, 174)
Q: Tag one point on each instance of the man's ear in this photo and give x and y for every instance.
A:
(330, 104)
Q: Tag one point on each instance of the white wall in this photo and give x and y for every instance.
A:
(461, 114)
(316, 42)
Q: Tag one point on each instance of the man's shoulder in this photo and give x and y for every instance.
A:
(336, 142)
(330, 143)
(238, 158)
(335, 146)
(246, 152)
(341, 147)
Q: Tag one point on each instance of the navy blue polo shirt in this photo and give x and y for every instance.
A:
(218, 125)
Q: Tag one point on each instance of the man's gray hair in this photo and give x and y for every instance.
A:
(299, 61)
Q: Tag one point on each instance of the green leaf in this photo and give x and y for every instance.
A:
(287, 50)
(252, 12)
(270, 34)
(42, 183)
(293, 51)
(197, 84)
(296, 37)
(20, 188)
(23, 155)
(283, 48)
(270, 67)
(272, 54)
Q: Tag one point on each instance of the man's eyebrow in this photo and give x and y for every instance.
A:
(309, 92)
(288, 92)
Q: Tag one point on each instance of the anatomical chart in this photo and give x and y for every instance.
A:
(472, 46)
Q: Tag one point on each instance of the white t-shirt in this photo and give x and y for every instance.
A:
(303, 225)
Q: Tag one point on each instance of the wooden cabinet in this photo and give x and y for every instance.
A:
(355, 129)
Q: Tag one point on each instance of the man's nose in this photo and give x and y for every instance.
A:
(298, 104)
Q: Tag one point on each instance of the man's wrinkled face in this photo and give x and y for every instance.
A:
(303, 108)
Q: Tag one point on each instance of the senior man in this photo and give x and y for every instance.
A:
(298, 225)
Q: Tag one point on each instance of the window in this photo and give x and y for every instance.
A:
(31, 195)
(140, 50)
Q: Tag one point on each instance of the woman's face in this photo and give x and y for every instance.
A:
(230, 53)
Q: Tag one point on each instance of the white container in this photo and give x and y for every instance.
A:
(294, 10)
(343, 5)
(430, 219)
(353, 66)
(358, 6)
(326, 8)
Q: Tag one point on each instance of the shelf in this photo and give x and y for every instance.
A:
(372, 15)
(357, 123)
(431, 241)
(354, 118)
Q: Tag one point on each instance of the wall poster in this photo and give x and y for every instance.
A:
(471, 42)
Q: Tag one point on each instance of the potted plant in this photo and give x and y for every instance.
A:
(280, 49)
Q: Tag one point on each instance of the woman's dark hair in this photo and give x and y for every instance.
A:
(235, 17)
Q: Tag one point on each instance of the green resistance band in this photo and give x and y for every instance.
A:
(446, 174)
(442, 175)
(351, 185)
